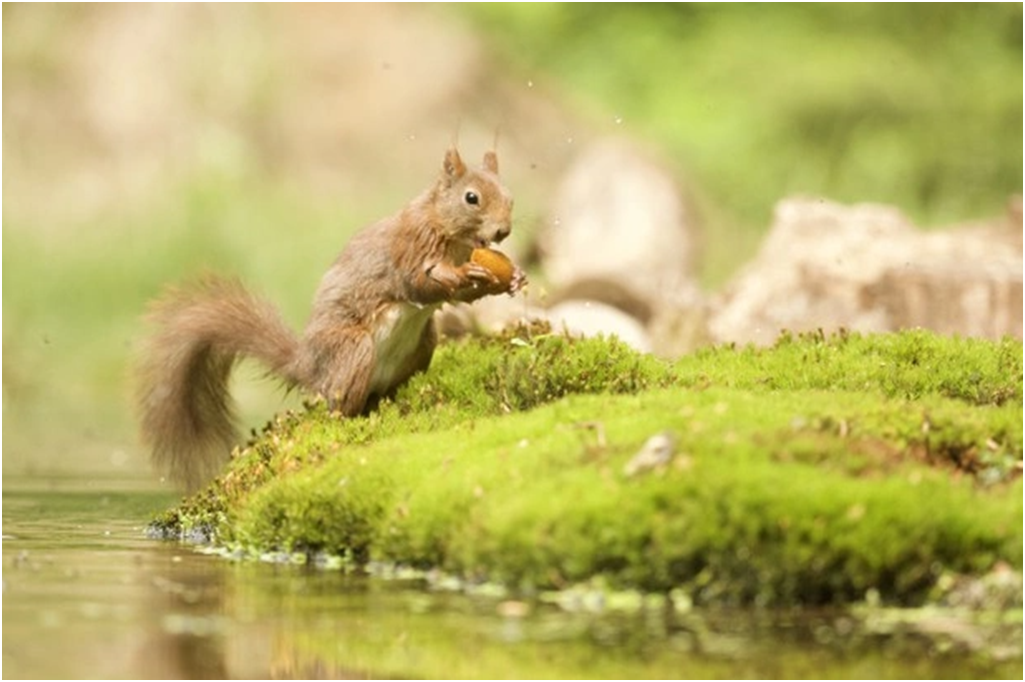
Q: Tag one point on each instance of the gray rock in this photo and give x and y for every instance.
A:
(619, 216)
(591, 318)
(657, 452)
(866, 268)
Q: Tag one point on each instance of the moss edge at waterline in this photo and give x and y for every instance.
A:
(811, 472)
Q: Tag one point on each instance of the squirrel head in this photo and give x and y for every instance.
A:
(472, 205)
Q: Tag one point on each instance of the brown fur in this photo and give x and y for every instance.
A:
(369, 331)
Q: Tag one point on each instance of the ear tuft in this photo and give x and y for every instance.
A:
(491, 162)
(453, 167)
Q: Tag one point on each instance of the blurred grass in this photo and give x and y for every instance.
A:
(916, 105)
(73, 307)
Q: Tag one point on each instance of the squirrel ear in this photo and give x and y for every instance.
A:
(491, 162)
(453, 166)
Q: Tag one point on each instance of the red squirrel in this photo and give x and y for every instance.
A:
(371, 327)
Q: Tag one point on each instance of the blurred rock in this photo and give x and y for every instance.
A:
(593, 318)
(866, 268)
(656, 452)
(582, 318)
(822, 266)
(617, 215)
(487, 316)
(951, 296)
(617, 293)
(680, 329)
(618, 250)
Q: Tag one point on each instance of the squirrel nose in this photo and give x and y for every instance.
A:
(501, 233)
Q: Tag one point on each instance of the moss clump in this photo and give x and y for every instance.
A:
(811, 472)
(468, 379)
(911, 364)
(526, 368)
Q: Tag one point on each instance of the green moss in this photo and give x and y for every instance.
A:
(910, 364)
(527, 368)
(811, 472)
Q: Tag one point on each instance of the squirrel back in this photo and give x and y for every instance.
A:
(371, 327)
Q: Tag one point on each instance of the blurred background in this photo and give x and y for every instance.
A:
(144, 144)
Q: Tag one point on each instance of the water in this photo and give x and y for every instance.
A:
(87, 595)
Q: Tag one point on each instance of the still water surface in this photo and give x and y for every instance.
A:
(87, 595)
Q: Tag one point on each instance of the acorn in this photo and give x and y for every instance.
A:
(498, 263)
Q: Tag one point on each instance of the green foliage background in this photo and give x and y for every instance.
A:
(915, 105)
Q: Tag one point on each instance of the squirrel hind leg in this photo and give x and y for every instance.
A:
(341, 363)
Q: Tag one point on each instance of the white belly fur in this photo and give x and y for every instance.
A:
(397, 331)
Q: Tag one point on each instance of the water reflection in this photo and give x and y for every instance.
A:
(186, 626)
(87, 595)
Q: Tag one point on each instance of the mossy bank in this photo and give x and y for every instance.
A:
(816, 471)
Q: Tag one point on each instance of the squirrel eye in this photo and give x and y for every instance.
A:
(472, 198)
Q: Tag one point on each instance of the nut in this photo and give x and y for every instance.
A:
(497, 262)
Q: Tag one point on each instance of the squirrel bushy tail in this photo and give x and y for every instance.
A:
(200, 331)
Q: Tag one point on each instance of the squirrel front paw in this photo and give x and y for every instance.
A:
(475, 274)
(479, 281)
(518, 282)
